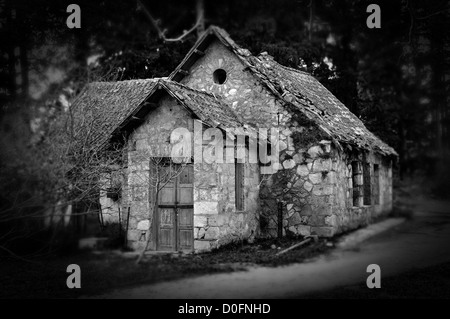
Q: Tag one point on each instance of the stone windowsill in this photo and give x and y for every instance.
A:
(363, 206)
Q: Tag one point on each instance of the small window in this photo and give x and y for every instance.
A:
(367, 184)
(376, 184)
(219, 76)
(356, 181)
(239, 178)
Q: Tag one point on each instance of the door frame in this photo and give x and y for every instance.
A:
(176, 206)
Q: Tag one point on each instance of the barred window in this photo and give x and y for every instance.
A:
(367, 184)
(239, 178)
(376, 184)
(357, 183)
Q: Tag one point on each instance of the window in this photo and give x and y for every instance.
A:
(366, 184)
(376, 184)
(357, 183)
(219, 76)
(239, 178)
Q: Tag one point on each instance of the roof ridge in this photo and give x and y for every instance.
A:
(123, 81)
(265, 54)
(194, 90)
(295, 70)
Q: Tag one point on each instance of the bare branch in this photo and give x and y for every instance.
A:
(162, 33)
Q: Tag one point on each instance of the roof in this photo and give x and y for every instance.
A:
(298, 88)
(102, 106)
(105, 108)
(207, 107)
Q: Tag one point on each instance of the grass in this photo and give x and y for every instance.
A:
(103, 272)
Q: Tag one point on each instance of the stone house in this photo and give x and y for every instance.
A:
(331, 174)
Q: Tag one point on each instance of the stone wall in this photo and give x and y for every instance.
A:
(316, 194)
(151, 138)
(304, 188)
(242, 92)
(312, 184)
(347, 216)
(216, 221)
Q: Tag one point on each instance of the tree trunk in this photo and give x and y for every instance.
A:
(149, 237)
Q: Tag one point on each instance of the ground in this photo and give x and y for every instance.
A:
(104, 271)
(414, 259)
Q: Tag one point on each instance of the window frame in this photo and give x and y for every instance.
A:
(239, 175)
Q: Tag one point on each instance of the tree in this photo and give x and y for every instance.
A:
(45, 178)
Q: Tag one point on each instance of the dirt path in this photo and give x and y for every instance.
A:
(420, 242)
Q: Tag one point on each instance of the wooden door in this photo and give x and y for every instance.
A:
(175, 213)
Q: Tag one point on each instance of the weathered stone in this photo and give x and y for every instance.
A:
(217, 220)
(288, 164)
(295, 219)
(298, 158)
(302, 170)
(202, 245)
(206, 208)
(322, 231)
(303, 230)
(282, 146)
(308, 186)
(143, 225)
(201, 233)
(331, 221)
(323, 190)
(306, 210)
(330, 178)
(322, 164)
(290, 142)
(324, 210)
(316, 220)
(315, 178)
(315, 151)
(200, 221)
(298, 183)
(212, 233)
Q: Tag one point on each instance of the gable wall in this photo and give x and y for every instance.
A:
(242, 92)
(216, 221)
(151, 138)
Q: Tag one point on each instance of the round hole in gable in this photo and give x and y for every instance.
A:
(219, 76)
